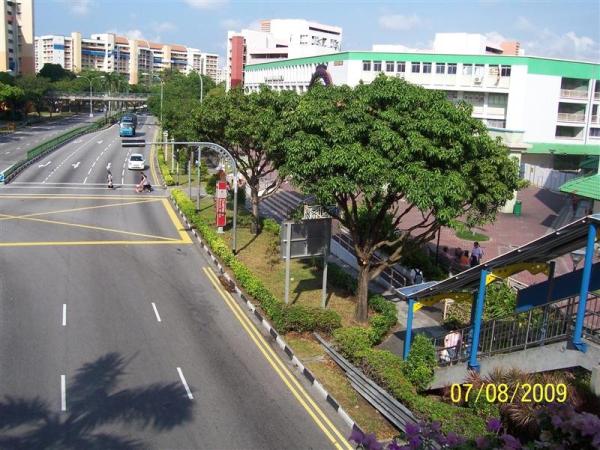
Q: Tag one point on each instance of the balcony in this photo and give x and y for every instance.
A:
(571, 117)
(573, 93)
(596, 119)
(596, 95)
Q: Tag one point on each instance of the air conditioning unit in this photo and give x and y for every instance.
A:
(478, 80)
(400, 75)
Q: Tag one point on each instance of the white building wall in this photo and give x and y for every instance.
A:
(540, 107)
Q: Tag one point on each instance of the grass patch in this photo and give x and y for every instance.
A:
(471, 236)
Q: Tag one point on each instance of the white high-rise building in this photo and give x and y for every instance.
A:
(108, 52)
(16, 37)
(278, 39)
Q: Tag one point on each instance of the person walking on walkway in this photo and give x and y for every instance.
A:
(109, 179)
(476, 254)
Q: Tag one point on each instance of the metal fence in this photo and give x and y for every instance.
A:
(544, 324)
(391, 276)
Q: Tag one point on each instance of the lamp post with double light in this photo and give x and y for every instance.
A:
(91, 80)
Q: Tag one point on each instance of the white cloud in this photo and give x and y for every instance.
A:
(206, 4)
(78, 7)
(230, 24)
(496, 38)
(570, 45)
(163, 26)
(524, 24)
(399, 22)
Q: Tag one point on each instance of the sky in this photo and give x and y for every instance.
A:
(567, 29)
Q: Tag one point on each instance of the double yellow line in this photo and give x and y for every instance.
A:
(320, 419)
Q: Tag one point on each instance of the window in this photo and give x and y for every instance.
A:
(496, 99)
(467, 69)
(451, 69)
(495, 123)
(377, 66)
(595, 132)
(389, 66)
(367, 66)
(494, 70)
(440, 67)
(401, 66)
(505, 71)
(426, 67)
(415, 67)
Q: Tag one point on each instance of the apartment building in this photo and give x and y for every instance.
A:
(546, 110)
(278, 39)
(107, 52)
(16, 37)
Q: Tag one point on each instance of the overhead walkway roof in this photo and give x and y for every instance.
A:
(531, 256)
(583, 186)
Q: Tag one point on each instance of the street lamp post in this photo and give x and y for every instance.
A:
(91, 80)
(201, 87)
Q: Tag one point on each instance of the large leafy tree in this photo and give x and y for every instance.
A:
(382, 150)
(181, 94)
(35, 89)
(11, 96)
(55, 72)
(251, 128)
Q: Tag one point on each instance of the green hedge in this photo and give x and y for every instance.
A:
(164, 168)
(284, 318)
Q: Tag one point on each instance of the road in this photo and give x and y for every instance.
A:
(115, 333)
(14, 146)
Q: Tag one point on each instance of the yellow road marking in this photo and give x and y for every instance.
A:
(90, 227)
(184, 237)
(78, 209)
(74, 243)
(175, 219)
(288, 378)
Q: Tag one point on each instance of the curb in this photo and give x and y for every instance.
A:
(317, 386)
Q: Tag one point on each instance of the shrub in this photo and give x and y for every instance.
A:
(302, 318)
(421, 362)
(211, 184)
(164, 169)
(383, 322)
(271, 226)
(352, 341)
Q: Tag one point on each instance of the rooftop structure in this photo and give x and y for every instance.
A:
(278, 39)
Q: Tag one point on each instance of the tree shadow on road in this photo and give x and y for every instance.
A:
(94, 401)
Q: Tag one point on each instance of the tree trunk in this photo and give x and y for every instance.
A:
(255, 212)
(362, 295)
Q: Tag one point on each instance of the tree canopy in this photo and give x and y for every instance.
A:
(383, 150)
(250, 127)
(55, 72)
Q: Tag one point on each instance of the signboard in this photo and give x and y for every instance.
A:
(221, 203)
(307, 238)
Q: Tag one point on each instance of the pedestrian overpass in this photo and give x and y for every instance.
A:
(556, 324)
(99, 96)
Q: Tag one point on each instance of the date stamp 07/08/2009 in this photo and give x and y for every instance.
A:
(504, 393)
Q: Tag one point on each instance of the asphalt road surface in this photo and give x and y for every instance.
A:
(14, 146)
(115, 333)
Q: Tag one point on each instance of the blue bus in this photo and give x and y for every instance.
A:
(126, 129)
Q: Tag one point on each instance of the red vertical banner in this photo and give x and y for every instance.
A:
(221, 203)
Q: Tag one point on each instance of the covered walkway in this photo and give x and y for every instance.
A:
(543, 314)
